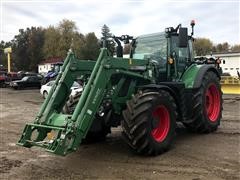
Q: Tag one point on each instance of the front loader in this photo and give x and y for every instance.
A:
(158, 85)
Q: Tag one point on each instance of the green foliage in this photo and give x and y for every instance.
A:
(51, 43)
(27, 49)
(202, 46)
(35, 46)
(19, 47)
(90, 48)
(67, 30)
(3, 56)
(58, 40)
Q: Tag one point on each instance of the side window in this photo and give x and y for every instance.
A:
(30, 79)
(191, 53)
(181, 53)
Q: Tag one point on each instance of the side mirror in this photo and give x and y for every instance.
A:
(183, 37)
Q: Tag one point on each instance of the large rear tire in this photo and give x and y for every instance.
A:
(207, 105)
(149, 122)
(98, 130)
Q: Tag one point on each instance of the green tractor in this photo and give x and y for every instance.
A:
(159, 85)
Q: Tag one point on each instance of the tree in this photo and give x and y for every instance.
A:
(27, 48)
(221, 48)
(67, 36)
(90, 48)
(235, 48)
(51, 43)
(58, 40)
(202, 46)
(3, 56)
(78, 44)
(225, 47)
(20, 45)
(35, 47)
(105, 34)
(106, 40)
(68, 31)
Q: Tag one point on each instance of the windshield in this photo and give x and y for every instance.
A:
(25, 78)
(152, 46)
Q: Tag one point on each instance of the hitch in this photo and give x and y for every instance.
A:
(54, 139)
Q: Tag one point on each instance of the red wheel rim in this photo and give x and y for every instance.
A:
(212, 102)
(160, 132)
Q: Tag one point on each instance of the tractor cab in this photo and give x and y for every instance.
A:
(170, 51)
(152, 47)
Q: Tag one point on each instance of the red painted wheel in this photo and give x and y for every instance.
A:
(212, 102)
(161, 115)
(149, 122)
(207, 105)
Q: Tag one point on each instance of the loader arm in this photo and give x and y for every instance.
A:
(62, 133)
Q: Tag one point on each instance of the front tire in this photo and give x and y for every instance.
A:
(98, 130)
(207, 105)
(149, 122)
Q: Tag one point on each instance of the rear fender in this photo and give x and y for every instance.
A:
(193, 76)
(202, 71)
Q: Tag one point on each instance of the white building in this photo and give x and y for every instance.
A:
(230, 62)
(47, 65)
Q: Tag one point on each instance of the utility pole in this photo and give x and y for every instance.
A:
(8, 51)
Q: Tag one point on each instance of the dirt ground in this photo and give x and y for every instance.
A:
(192, 156)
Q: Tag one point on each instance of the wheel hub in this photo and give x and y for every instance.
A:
(212, 102)
(161, 123)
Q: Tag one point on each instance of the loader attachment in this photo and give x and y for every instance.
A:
(62, 133)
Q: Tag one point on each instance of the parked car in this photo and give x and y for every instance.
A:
(26, 82)
(52, 74)
(14, 76)
(3, 77)
(45, 89)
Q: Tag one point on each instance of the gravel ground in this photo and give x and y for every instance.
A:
(192, 156)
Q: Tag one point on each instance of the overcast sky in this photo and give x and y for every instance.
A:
(216, 20)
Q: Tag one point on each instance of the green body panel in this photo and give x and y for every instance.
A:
(190, 75)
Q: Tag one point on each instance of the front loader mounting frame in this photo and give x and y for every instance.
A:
(62, 133)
